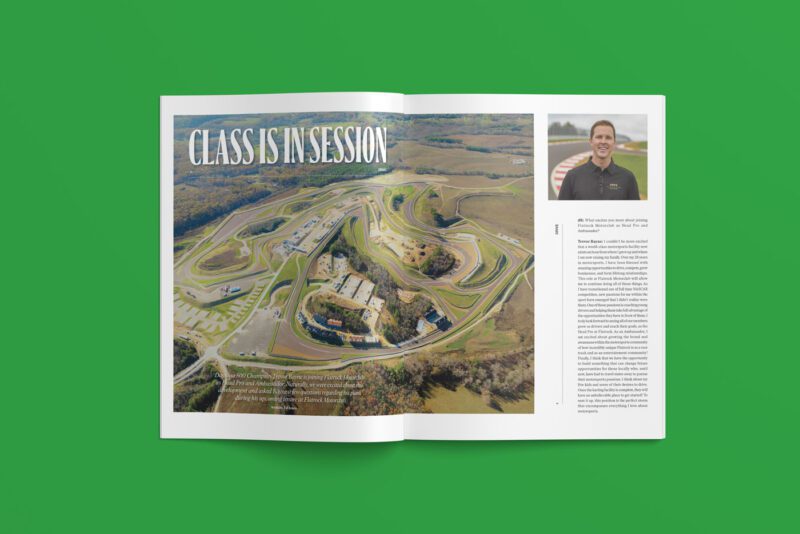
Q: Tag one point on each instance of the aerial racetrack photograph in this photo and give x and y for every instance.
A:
(375, 270)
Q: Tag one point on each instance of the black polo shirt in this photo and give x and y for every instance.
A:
(590, 182)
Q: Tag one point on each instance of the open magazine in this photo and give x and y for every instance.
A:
(375, 267)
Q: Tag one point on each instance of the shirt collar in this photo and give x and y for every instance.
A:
(612, 167)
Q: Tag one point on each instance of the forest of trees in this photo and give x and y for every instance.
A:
(397, 200)
(448, 140)
(403, 388)
(507, 377)
(201, 199)
(351, 320)
(184, 354)
(565, 129)
(441, 221)
(439, 262)
(199, 393)
(386, 391)
(201, 206)
(405, 314)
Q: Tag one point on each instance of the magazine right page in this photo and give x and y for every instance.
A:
(570, 340)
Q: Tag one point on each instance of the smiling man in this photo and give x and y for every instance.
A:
(600, 178)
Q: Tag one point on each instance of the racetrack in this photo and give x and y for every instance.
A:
(362, 200)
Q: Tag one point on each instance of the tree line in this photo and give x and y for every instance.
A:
(448, 140)
(397, 200)
(438, 263)
(200, 392)
(199, 200)
(564, 129)
(196, 210)
(184, 354)
(403, 388)
(441, 221)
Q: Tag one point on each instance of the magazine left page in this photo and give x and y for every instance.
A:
(261, 198)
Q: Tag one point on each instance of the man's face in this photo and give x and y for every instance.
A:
(603, 142)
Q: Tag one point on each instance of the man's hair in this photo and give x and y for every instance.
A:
(603, 123)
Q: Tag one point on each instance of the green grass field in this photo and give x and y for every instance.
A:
(263, 213)
(358, 235)
(280, 297)
(637, 164)
(568, 140)
(296, 206)
(307, 288)
(225, 308)
(484, 337)
(490, 255)
(224, 258)
(406, 190)
(290, 361)
(450, 197)
(637, 145)
(275, 262)
(458, 300)
(270, 359)
(182, 245)
(290, 270)
(353, 233)
(424, 204)
(522, 190)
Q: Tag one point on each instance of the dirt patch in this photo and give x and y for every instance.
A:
(410, 251)
(406, 296)
(417, 254)
(323, 266)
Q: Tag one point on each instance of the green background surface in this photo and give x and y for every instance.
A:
(80, 136)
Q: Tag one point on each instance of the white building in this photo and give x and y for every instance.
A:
(364, 292)
(340, 263)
